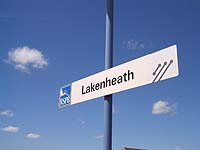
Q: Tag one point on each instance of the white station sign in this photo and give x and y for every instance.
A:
(148, 69)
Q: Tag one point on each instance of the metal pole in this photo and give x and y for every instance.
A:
(108, 64)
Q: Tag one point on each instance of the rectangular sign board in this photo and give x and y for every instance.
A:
(148, 69)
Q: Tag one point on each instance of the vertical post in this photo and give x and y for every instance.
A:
(108, 64)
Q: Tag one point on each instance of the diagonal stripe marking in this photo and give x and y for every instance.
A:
(165, 63)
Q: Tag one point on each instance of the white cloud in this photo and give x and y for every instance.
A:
(11, 129)
(133, 44)
(115, 110)
(33, 136)
(8, 113)
(163, 107)
(178, 148)
(23, 58)
(98, 137)
(80, 122)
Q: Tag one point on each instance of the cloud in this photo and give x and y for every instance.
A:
(115, 110)
(24, 58)
(7, 113)
(98, 137)
(11, 129)
(178, 148)
(133, 44)
(81, 123)
(163, 107)
(32, 136)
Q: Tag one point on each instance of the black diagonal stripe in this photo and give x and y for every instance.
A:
(165, 63)
(171, 61)
(154, 73)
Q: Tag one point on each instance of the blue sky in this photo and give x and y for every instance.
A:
(47, 44)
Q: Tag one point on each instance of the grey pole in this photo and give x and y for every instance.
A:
(108, 64)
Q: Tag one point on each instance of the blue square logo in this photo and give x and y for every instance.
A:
(65, 96)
